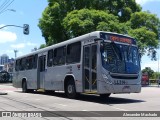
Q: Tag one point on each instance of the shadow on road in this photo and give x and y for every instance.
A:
(92, 98)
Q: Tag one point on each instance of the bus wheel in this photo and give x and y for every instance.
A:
(70, 90)
(24, 87)
(104, 96)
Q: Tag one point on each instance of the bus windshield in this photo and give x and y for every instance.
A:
(120, 58)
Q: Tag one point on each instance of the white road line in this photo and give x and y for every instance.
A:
(37, 99)
(119, 108)
(62, 105)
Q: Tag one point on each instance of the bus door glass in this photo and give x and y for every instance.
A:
(90, 68)
(41, 71)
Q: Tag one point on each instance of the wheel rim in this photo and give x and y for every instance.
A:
(70, 89)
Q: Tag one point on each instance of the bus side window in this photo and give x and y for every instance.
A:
(50, 58)
(17, 65)
(29, 62)
(35, 61)
(20, 64)
(23, 64)
(73, 52)
(59, 56)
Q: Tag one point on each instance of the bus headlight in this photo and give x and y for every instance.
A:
(106, 79)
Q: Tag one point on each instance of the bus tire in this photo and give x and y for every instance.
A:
(105, 96)
(49, 92)
(24, 87)
(70, 90)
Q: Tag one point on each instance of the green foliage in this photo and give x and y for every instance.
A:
(79, 22)
(42, 46)
(156, 76)
(144, 29)
(65, 19)
(149, 71)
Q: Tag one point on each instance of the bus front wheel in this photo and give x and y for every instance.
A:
(104, 96)
(70, 90)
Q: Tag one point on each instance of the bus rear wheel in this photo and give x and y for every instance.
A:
(24, 87)
(70, 90)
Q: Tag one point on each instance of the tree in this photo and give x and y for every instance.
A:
(42, 46)
(149, 71)
(144, 27)
(51, 22)
(156, 75)
(64, 19)
(79, 22)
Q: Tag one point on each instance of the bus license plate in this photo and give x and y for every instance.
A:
(126, 89)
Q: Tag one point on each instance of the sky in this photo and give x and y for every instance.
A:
(29, 12)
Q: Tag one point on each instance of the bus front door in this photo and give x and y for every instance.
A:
(41, 71)
(90, 68)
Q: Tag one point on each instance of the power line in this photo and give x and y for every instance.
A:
(4, 3)
(7, 6)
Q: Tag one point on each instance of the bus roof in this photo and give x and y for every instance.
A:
(76, 39)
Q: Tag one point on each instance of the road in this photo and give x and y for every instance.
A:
(15, 100)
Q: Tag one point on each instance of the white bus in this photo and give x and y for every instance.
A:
(98, 62)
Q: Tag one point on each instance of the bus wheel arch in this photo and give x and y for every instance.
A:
(24, 85)
(69, 87)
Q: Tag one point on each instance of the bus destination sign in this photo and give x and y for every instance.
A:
(117, 38)
(120, 39)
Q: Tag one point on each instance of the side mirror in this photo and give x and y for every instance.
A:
(101, 47)
(98, 39)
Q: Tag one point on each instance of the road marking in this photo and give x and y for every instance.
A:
(62, 105)
(37, 99)
(119, 108)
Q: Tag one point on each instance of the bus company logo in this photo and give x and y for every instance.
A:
(21, 114)
(6, 114)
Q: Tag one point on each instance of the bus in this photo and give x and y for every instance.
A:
(95, 63)
(145, 79)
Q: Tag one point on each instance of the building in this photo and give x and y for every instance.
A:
(4, 59)
(1, 68)
(6, 63)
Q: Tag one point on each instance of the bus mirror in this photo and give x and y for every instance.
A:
(98, 39)
(101, 47)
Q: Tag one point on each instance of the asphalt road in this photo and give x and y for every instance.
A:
(86, 106)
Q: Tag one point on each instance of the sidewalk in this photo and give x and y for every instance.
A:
(151, 85)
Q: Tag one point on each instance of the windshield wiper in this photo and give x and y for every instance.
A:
(116, 50)
(129, 49)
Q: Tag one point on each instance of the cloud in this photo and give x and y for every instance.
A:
(142, 2)
(6, 36)
(31, 44)
(18, 46)
(22, 45)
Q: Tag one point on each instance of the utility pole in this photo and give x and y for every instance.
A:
(158, 53)
(25, 28)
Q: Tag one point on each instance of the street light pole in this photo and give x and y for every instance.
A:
(158, 53)
(158, 66)
(15, 52)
